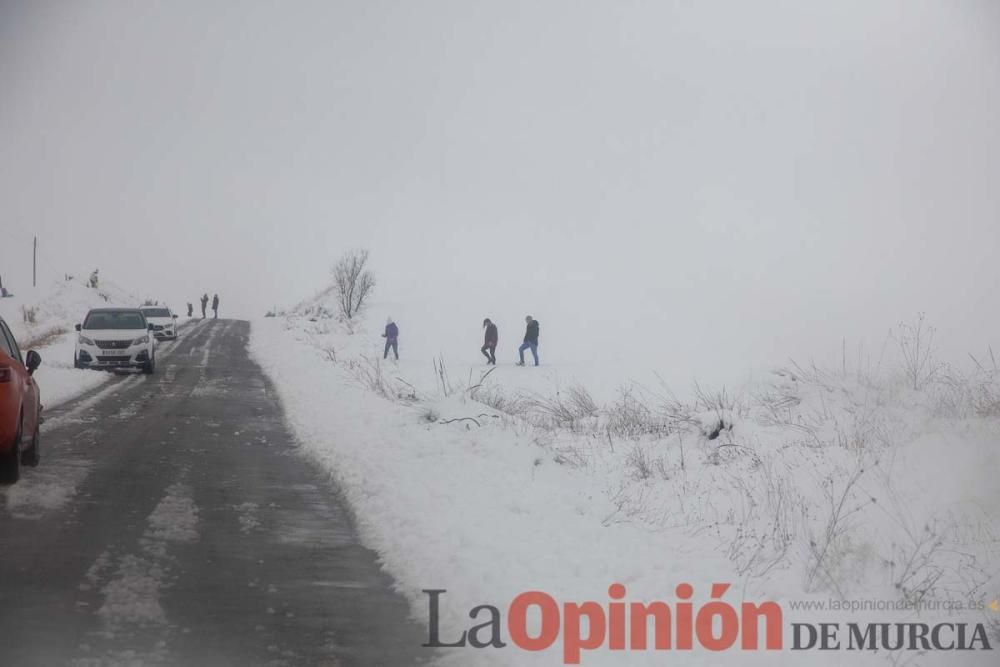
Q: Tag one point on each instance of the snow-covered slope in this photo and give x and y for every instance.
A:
(809, 488)
(432, 335)
(44, 318)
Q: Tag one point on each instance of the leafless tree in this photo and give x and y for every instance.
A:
(354, 282)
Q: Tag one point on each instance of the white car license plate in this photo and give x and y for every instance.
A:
(115, 353)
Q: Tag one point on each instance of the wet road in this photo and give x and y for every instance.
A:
(172, 522)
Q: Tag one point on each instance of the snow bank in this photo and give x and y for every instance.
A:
(58, 307)
(805, 489)
(44, 319)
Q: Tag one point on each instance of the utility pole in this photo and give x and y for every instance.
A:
(34, 263)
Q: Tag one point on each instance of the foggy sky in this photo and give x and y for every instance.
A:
(737, 181)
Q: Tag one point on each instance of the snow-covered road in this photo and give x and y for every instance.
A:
(172, 523)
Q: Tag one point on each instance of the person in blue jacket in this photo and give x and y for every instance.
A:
(391, 336)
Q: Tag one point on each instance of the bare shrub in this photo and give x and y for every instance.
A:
(29, 314)
(368, 372)
(471, 388)
(860, 430)
(709, 414)
(829, 548)
(406, 391)
(441, 375)
(564, 409)
(681, 416)
(914, 564)
(781, 402)
(626, 505)
(936, 557)
(494, 397)
(580, 401)
(639, 462)
(720, 401)
(354, 283)
(765, 532)
(734, 452)
(953, 395)
(780, 502)
(631, 416)
(986, 399)
(916, 348)
(984, 390)
(548, 412)
(777, 406)
(570, 455)
(312, 313)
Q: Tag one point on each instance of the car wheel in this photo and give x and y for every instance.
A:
(33, 454)
(149, 367)
(10, 463)
(76, 362)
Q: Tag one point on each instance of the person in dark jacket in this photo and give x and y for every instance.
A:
(215, 305)
(489, 348)
(190, 309)
(204, 304)
(530, 340)
(391, 336)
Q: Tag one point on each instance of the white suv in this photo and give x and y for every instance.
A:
(164, 322)
(115, 338)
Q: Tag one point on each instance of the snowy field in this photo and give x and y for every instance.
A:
(806, 485)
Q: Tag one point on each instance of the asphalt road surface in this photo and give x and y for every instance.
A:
(173, 522)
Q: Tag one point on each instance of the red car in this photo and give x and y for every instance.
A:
(20, 407)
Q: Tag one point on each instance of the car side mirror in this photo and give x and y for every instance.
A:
(32, 361)
(174, 316)
(78, 327)
(149, 327)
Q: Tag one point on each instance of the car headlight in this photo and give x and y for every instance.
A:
(83, 340)
(141, 341)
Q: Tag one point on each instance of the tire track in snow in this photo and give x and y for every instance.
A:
(131, 586)
(55, 482)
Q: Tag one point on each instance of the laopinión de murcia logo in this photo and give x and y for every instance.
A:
(683, 625)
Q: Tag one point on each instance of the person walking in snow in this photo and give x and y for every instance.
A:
(530, 340)
(190, 309)
(391, 336)
(489, 348)
(204, 304)
(215, 306)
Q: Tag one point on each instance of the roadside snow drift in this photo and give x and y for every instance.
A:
(44, 318)
(843, 497)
